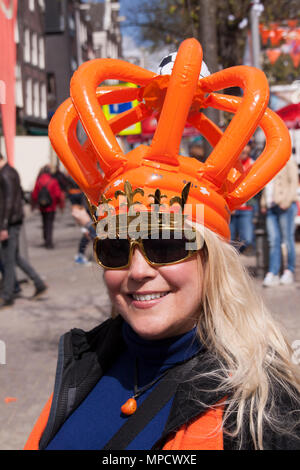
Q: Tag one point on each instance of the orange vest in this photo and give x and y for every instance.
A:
(203, 433)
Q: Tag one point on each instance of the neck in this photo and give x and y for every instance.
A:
(163, 352)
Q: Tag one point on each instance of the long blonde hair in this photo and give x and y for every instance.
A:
(254, 355)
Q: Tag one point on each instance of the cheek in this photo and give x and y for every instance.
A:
(113, 280)
(184, 276)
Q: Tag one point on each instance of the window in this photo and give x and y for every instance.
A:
(43, 104)
(98, 52)
(51, 85)
(36, 99)
(29, 97)
(31, 5)
(17, 37)
(51, 91)
(83, 34)
(34, 49)
(26, 49)
(19, 91)
(54, 19)
(73, 64)
(41, 53)
(2, 92)
(71, 23)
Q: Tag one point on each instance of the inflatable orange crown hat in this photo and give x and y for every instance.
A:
(157, 173)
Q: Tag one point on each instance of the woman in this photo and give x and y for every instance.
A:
(191, 359)
(198, 308)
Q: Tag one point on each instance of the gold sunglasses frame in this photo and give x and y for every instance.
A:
(139, 243)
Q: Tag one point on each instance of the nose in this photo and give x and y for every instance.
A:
(139, 269)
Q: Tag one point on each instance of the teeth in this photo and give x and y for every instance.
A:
(149, 296)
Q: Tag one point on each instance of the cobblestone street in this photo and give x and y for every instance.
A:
(76, 297)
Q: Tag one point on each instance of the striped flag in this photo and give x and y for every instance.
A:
(8, 13)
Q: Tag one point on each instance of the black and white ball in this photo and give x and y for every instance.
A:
(167, 63)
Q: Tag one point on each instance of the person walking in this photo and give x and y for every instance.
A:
(78, 201)
(241, 224)
(11, 219)
(47, 195)
(278, 202)
(196, 150)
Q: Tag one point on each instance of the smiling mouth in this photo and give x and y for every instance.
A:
(145, 297)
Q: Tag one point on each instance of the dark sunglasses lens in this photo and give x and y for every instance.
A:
(112, 252)
(165, 251)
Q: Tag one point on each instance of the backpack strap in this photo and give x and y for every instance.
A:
(154, 402)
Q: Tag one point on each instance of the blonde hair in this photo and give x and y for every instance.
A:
(254, 356)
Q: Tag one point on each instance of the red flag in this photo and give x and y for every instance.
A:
(265, 34)
(290, 115)
(295, 58)
(273, 55)
(292, 23)
(8, 13)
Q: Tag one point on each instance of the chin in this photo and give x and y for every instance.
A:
(152, 332)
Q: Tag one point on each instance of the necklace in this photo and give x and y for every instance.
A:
(130, 405)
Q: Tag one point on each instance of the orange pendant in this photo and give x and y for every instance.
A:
(129, 407)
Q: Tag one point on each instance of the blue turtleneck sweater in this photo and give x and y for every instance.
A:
(99, 416)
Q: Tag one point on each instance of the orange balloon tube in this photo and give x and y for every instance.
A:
(207, 127)
(83, 93)
(82, 166)
(276, 153)
(81, 160)
(180, 92)
(100, 167)
(130, 117)
(243, 125)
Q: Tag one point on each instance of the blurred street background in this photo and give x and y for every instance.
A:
(42, 43)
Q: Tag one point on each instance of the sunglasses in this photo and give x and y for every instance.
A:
(116, 253)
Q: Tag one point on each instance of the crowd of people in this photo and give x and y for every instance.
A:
(277, 203)
(50, 192)
(277, 206)
(11, 220)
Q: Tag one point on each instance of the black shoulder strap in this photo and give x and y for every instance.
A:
(155, 401)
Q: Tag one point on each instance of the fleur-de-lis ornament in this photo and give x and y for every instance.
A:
(103, 200)
(184, 195)
(157, 196)
(129, 193)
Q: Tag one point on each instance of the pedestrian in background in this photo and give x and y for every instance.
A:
(47, 195)
(75, 194)
(62, 179)
(81, 258)
(241, 223)
(196, 150)
(78, 200)
(278, 202)
(84, 220)
(11, 219)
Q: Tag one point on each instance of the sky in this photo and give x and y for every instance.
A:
(130, 38)
(130, 46)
